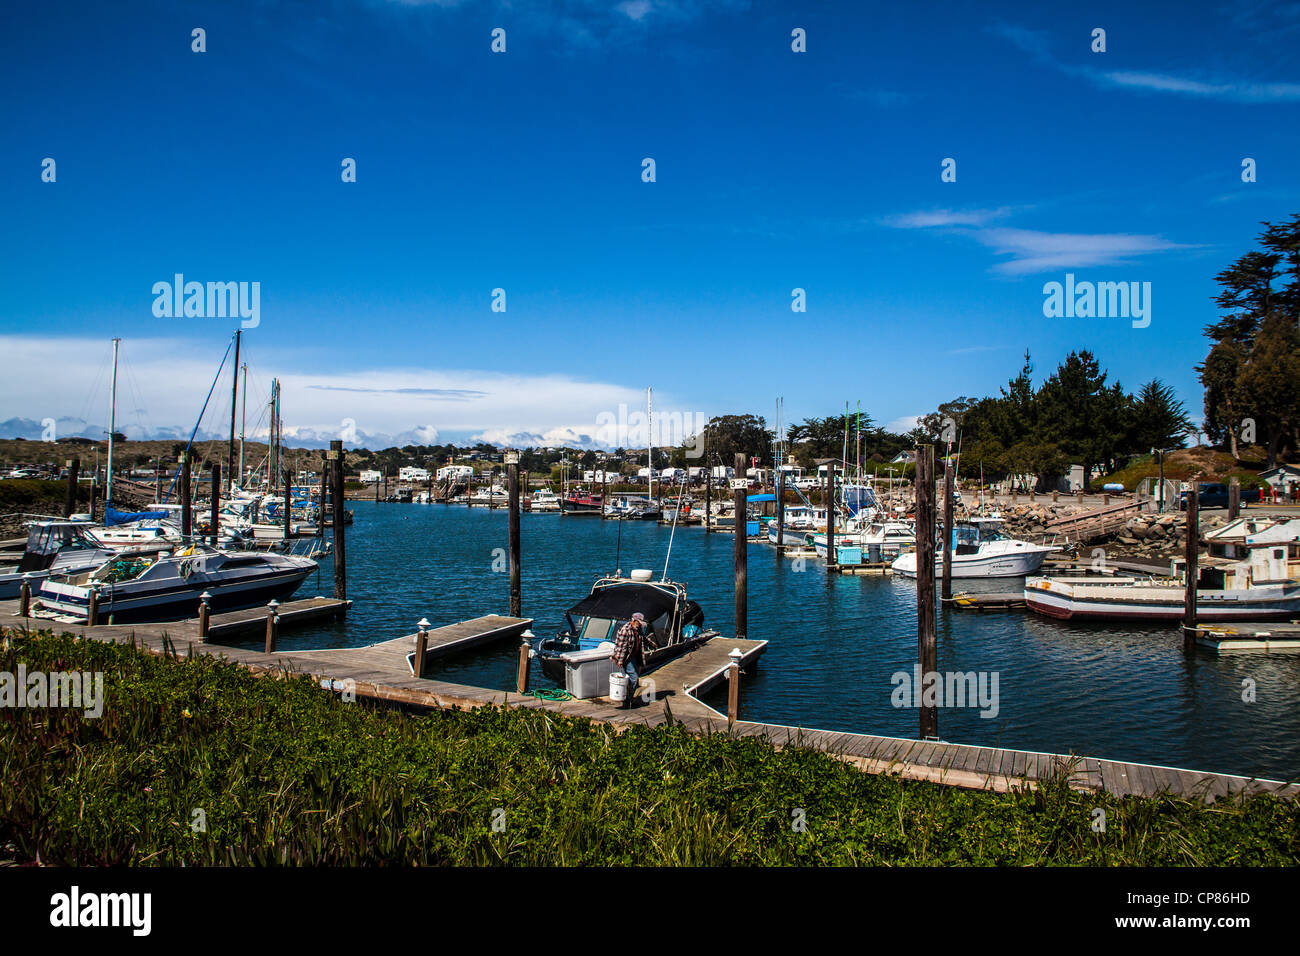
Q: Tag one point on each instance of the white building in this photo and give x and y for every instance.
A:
(412, 473)
(368, 477)
(454, 472)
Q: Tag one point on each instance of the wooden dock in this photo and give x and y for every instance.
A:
(399, 654)
(234, 624)
(1270, 637)
(989, 601)
(386, 676)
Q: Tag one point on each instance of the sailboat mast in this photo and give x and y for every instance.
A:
(650, 440)
(112, 427)
(234, 402)
(243, 421)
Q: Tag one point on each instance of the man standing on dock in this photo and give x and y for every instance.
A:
(629, 652)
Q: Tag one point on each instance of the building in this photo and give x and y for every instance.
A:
(454, 473)
(412, 473)
(368, 477)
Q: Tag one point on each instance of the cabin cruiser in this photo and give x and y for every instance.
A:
(579, 656)
(53, 547)
(544, 499)
(981, 550)
(1257, 588)
(495, 495)
(885, 538)
(165, 586)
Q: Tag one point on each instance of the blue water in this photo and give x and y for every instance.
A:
(1125, 693)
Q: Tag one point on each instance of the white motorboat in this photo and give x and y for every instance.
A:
(166, 586)
(981, 550)
(1254, 589)
(53, 547)
(544, 499)
(889, 537)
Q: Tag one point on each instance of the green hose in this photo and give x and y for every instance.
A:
(550, 694)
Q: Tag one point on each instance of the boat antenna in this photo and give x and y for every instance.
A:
(676, 511)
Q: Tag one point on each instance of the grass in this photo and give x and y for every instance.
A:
(285, 773)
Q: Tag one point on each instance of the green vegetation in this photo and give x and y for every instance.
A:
(1251, 370)
(286, 773)
(38, 495)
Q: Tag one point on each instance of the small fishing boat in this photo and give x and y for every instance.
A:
(886, 538)
(544, 500)
(1254, 589)
(981, 550)
(579, 502)
(579, 655)
(53, 547)
(164, 586)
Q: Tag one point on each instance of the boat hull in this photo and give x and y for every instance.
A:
(1065, 601)
(1015, 564)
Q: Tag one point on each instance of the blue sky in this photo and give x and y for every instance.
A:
(775, 170)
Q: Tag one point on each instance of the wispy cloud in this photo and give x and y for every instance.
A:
(938, 218)
(1037, 45)
(1033, 251)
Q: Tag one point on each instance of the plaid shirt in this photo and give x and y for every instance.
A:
(627, 644)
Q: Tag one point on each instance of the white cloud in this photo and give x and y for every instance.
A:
(903, 425)
(929, 219)
(1034, 251)
(383, 405)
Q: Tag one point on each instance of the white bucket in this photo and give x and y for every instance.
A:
(618, 686)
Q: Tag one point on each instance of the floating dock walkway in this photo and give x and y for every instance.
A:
(383, 672)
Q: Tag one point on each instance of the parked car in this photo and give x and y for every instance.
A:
(1214, 494)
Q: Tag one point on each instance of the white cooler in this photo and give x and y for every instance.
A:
(586, 673)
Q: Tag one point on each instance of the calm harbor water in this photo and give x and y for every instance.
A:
(1125, 693)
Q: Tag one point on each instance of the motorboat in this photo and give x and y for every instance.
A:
(1257, 588)
(579, 502)
(980, 549)
(579, 656)
(544, 500)
(166, 585)
(53, 547)
(885, 538)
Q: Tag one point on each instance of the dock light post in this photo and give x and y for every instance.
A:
(272, 625)
(512, 474)
(25, 595)
(733, 685)
(205, 614)
(525, 662)
(421, 646)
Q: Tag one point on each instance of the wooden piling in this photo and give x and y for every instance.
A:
(92, 606)
(947, 531)
(780, 511)
(421, 648)
(70, 497)
(216, 502)
(1234, 499)
(733, 688)
(525, 661)
(927, 652)
(320, 510)
(512, 479)
(205, 617)
(832, 552)
(708, 498)
(1191, 554)
(187, 515)
(272, 626)
(94, 494)
(377, 488)
(340, 527)
(25, 598)
(740, 552)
